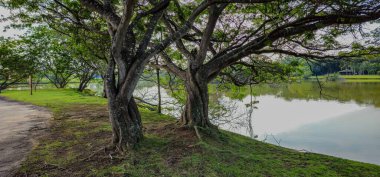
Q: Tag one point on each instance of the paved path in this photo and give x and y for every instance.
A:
(19, 124)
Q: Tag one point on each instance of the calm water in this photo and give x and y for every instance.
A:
(343, 121)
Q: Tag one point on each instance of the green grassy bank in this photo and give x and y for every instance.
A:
(361, 78)
(74, 146)
(347, 78)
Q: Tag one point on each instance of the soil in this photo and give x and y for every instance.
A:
(20, 125)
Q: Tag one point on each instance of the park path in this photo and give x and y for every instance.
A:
(20, 124)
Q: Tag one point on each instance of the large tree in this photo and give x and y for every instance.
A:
(230, 35)
(54, 55)
(62, 57)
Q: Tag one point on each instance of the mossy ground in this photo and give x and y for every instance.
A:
(74, 146)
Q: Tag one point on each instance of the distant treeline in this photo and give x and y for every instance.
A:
(346, 67)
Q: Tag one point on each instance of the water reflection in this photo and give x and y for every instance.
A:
(276, 115)
(353, 135)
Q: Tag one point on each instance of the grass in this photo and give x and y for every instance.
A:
(349, 78)
(363, 80)
(80, 129)
(54, 98)
(360, 76)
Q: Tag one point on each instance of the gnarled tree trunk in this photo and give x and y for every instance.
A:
(126, 122)
(196, 107)
(123, 112)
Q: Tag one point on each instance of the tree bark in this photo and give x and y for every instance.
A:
(82, 86)
(126, 123)
(123, 112)
(196, 107)
(31, 84)
(104, 87)
(85, 76)
(158, 89)
(36, 84)
(84, 82)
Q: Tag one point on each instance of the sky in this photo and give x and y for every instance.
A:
(9, 32)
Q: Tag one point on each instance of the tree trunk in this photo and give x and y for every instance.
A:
(123, 112)
(158, 89)
(31, 84)
(3, 86)
(196, 108)
(82, 86)
(104, 87)
(126, 123)
(61, 85)
(36, 84)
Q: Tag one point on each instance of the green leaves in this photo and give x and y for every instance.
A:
(15, 63)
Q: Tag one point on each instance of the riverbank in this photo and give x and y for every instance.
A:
(74, 146)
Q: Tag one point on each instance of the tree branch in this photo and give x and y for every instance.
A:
(111, 17)
(218, 63)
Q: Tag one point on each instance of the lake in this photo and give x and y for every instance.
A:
(343, 120)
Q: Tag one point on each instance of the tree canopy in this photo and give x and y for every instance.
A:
(16, 63)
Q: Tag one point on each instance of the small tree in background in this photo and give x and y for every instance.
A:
(15, 66)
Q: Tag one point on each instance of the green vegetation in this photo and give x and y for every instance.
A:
(360, 92)
(346, 78)
(15, 65)
(54, 98)
(80, 129)
(360, 76)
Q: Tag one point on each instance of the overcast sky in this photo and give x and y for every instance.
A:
(9, 32)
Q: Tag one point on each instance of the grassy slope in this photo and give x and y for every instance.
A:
(351, 78)
(361, 78)
(79, 130)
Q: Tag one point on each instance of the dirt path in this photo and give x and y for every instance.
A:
(19, 124)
